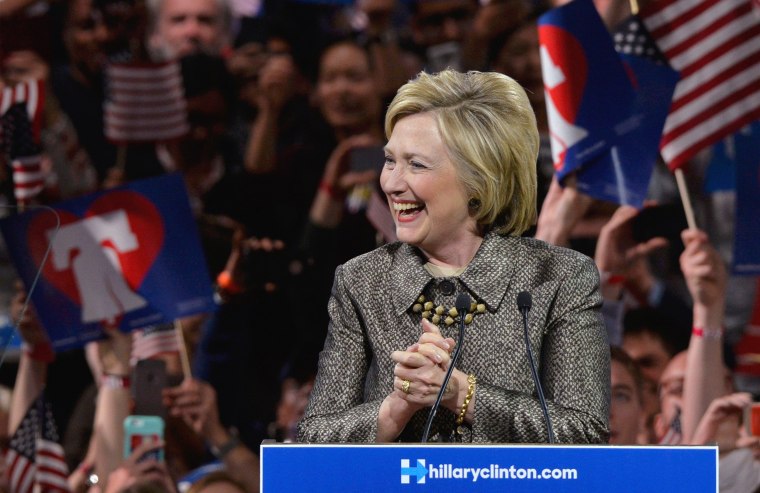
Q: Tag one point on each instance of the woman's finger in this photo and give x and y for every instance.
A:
(435, 353)
(428, 326)
(412, 360)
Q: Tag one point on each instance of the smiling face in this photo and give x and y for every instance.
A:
(345, 89)
(84, 36)
(427, 199)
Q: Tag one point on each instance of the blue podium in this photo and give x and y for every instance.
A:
(455, 468)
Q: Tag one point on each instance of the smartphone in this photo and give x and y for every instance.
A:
(138, 429)
(662, 220)
(148, 382)
(752, 419)
(367, 158)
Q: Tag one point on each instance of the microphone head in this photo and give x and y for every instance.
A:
(462, 303)
(524, 300)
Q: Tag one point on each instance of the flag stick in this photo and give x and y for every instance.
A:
(684, 191)
(121, 160)
(682, 188)
(186, 371)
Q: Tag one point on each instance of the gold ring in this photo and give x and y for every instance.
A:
(405, 386)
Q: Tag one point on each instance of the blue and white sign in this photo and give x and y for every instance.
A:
(452, 468)
(128, 257)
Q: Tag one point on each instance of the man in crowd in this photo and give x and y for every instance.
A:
(183, 27)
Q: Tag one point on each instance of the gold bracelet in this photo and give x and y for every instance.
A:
(471, 380)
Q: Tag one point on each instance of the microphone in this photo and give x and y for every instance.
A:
(524, 304)
(462, 304)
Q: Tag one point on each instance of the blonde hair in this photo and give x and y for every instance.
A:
(490, 131)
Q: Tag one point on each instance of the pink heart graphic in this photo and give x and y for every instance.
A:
(145, 223)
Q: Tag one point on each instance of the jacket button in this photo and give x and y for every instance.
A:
(447, 287)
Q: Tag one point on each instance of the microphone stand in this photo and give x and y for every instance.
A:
(462, 303)
(524, 303)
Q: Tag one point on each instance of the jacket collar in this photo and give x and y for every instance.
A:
(487, 277)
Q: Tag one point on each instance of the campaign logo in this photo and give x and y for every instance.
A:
(127, 258)
(559, 52)
(588, 92)
(100, 260)
(419, 471)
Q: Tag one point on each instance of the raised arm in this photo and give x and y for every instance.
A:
(275, 89)
(37, 354)
(113, 402)
(195, 402)
(705, 378)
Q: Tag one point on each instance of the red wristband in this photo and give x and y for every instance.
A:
(42, 351)
(616, 279)
(707, 333)
(609, 279)
(330, 190)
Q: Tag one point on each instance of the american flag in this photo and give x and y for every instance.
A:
(673, 436)
(32, 94)
(715, 45)
(23, 152)
(153, 341)
(145, 103)
(632, 38)
(35, 460)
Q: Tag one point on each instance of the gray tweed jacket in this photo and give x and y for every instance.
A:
(371, 316)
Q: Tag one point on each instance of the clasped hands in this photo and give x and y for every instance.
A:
(421, 368)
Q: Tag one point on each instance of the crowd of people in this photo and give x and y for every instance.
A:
(284, 99)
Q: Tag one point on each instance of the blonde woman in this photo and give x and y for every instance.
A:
(460, 179)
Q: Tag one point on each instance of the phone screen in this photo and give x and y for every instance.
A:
(140, 429)
(367, 158)
(137, 440)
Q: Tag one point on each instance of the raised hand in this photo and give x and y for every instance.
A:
(138, 470)
(195, 402)
(703, 269)
(617, 250)
(720, 410)
(562, 210)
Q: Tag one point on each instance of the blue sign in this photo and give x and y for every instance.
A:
(588, 93)
(622, 174)
(128, 257)
(461, 468)
(746, 260)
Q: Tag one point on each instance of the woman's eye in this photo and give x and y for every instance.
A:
(389, 161)
(415, 164)
(622, 397)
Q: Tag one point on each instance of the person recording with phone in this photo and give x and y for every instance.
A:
(460, 180)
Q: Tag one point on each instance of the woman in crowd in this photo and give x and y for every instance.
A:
(460, 180)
